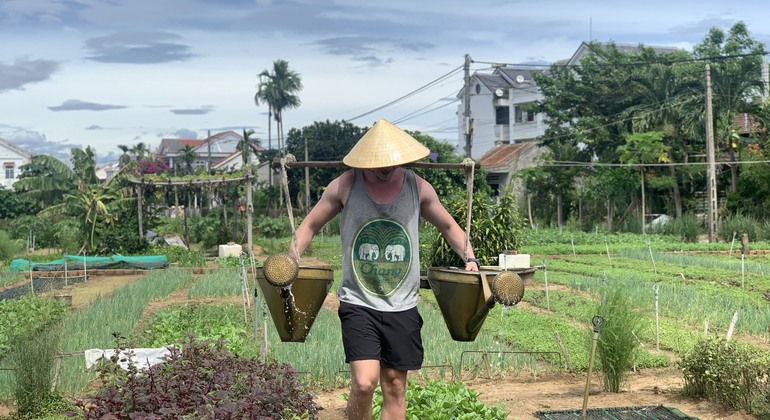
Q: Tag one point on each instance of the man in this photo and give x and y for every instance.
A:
(381, 203)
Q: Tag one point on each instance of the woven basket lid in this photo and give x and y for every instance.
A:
(385, 145)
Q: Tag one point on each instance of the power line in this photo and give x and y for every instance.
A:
(408, 95)
(577, 164)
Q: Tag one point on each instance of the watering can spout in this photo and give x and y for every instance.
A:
(474, 324)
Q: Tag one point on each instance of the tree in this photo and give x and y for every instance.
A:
(12, 205)
(140, 151)
(736, 80)
(266, 94)
(125, 157)
(187, 157)
(280, 89)
(665, 87)
(642, 148)
(327, 141)
(45, 180)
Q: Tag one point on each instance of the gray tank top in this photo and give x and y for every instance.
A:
(380, 248)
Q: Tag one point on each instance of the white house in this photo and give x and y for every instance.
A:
(500, 119)
(12, 157)
(498, 114)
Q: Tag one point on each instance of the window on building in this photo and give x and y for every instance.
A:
(502, 115)
(9, 170)
(521, 116)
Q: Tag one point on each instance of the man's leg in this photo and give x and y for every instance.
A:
(393, 383)
(362, 385)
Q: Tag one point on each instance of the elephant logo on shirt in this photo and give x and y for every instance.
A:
(395, 252)
(381, 256)
(369, 252)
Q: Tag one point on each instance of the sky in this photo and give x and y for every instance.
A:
(103, 73)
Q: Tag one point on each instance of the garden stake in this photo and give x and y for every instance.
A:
(545, 277)
(731, 245)
(743, 269)
(731, 328)
(607, 247)
(597, 321)
(651, 257)
(572, 241)
(657, 320)
(85, 267)
(604, 290)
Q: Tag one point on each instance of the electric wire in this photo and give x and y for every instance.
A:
(408, 95)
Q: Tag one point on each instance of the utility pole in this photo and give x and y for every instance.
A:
(307, 181)
(711, 172)
(467, 102)
(208, 160)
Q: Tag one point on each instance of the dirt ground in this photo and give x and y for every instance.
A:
(522, 395)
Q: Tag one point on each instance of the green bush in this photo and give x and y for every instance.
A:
(8, 247)
(496, 226)
(33, 358)
(739, 224)
(687, 227)
(727, 373)
(617, 343)
(273, 227)
(442, 400)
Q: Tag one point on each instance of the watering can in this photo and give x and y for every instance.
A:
(465, 297)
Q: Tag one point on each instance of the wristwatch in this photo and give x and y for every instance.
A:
(473, 260)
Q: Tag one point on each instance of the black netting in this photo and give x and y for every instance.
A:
(621, 413)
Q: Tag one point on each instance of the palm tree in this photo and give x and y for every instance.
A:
(663, 92)
(247, 146)
(266, 94)
(736, 82)
(125, 158)
(279, 89)
(140, 151)
(187, 156)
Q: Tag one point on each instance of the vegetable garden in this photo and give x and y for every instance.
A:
(675, 298)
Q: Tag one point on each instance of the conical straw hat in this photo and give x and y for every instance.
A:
(385, 145)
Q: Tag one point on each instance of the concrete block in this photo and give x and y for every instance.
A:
(507, 261)
(230, 250)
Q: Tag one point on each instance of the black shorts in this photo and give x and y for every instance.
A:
(393, 338)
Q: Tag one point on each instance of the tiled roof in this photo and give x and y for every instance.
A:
(171, 146)
(500, 157)
(746, 124)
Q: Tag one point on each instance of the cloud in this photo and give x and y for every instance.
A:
(138, 48)
(38, 144)
(184, 133)
(371, 50)
(24, 71)
(78, 105)
(194, 111)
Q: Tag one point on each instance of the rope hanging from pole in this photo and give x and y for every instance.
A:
(468, 166)
(285, 161)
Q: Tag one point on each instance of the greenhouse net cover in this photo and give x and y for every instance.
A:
(147, 262)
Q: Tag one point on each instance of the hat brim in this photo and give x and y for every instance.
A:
(385, 145)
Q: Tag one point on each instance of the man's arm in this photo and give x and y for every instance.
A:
(327, 207)
(434, 212)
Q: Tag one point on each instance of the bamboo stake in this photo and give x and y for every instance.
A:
(545, 277)
(732, 327)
